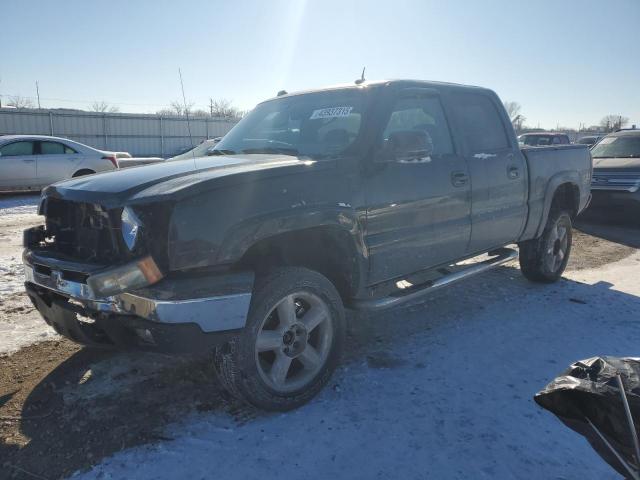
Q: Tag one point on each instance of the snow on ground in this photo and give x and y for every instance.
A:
(16, 213)
(11, 273)
(19, 325)
(19, 204)
(446, 393)
(17, 331)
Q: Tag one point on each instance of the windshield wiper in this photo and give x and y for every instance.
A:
(282, 150)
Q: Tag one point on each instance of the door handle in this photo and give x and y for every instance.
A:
(28, 160)
(459, 179)
(513, 172)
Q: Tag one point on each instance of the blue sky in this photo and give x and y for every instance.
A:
(566, 62)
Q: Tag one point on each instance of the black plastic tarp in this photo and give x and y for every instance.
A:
(588, 391)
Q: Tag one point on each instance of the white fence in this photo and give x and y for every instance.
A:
(140, 135)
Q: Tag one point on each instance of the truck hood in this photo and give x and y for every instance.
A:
(173, 179)
(631, 164)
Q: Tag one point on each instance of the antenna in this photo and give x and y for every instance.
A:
(38, 93)
(186, 111)
(361, 79)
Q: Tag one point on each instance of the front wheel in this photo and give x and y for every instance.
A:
(291, 344)
(544, 259)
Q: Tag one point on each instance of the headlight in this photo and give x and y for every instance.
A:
(137, 274)
(131, 226)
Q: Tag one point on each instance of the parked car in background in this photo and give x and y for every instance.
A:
(589, 140)
(202, 150)
(31, 162)
(616, 172)
(543, 139)
(366, 195)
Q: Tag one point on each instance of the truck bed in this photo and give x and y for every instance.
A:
(548, 168)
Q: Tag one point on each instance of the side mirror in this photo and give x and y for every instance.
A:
(406, 146)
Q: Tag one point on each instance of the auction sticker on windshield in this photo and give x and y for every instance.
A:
(333, 112)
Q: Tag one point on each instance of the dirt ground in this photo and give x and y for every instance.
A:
(64, 408)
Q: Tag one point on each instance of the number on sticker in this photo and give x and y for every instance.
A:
(333, 112)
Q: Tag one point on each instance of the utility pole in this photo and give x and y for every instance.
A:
(211, 107)
(38, 94)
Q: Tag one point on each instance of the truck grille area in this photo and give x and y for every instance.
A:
(81, 231)
(620, 181)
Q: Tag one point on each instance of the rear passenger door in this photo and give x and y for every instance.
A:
(498, 171)
(418, 213)
(18, 166)
(56, 161)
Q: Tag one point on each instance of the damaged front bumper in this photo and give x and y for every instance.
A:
(185, 314)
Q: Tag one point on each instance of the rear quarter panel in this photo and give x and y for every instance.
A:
(550, 167)
(93, 162)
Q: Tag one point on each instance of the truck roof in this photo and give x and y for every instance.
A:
(379, 83)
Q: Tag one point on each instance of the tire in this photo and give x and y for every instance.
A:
(544, 259)
(83, 172)
(291, 344)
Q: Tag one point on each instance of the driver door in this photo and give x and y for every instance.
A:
(418, 212)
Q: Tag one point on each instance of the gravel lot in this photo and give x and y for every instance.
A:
(64, 408)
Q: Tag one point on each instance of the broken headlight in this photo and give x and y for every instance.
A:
(136, 274)
(131, 226)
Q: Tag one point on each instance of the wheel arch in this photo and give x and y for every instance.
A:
(328, 249)
(562, 191)
(83, 171)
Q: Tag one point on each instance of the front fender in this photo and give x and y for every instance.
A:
(250, 231)
(218, 226)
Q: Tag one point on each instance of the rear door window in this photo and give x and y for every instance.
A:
(17, 148)
(480, 122)
(52, 148)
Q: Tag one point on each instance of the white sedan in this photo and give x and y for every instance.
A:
(31, 162)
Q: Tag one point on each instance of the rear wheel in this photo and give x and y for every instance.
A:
(545, 258)
(291, 344)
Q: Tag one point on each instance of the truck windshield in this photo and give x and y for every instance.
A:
(317, 125)
(620, 147)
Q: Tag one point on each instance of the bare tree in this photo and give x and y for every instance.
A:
(103, 107)
(177, 108)
(611, 123)
(223, 108)
(217, 108)
(20, 102)
(513, 110)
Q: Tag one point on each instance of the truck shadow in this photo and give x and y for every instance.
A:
(91, 407)
(97, 403)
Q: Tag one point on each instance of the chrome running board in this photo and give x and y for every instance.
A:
(401, 296)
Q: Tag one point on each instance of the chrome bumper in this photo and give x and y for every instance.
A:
(221, 304)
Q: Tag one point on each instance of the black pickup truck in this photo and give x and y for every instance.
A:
(362, 196)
